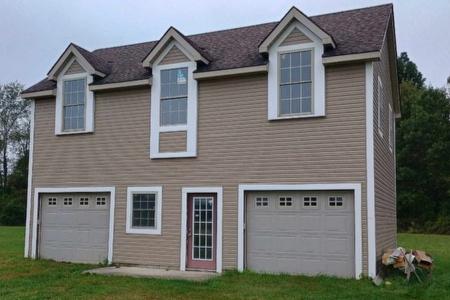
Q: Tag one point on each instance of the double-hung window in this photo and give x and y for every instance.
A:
(74, 100)
(144, 210)
(174, 95)
(295, 83)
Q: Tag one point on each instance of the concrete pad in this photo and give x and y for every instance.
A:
(152, 273)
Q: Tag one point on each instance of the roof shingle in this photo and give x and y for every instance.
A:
(354, 31)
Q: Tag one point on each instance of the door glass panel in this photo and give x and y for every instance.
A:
(203, 228)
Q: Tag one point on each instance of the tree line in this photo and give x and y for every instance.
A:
(422, 145)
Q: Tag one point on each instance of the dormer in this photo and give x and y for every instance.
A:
(74, 106)
(296, 75)
(173, 131)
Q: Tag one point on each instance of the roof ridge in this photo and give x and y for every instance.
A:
(246, 26)
(351, 10)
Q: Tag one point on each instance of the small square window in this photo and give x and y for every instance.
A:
(101, 201)
(262, 202)
(335, 201)
(67, 201)
(84, 201)
(285, 201)
(52, 201)
(309, 201)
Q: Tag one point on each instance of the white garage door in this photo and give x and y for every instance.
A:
(301, 232)
(74, 227)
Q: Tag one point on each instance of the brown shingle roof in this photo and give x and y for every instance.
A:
(354, 31)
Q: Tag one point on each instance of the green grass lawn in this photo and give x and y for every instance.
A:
(27, 279)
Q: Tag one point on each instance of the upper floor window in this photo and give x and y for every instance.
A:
(74, 99)
(174, 95)
(296, 83)
(391, 128)
(380, 106)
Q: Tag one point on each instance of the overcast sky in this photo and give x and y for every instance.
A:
(34, 33)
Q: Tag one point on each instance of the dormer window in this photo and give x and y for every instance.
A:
(74, 99)
(174, 95)
(296, 73)
(295, 96)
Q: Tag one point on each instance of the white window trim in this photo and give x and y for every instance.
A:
(380, 106)
(318, 73)
(155, 111)
(129, 217)
(88, 105)
(355, 187)
(184, 198)
(38, 191)
(391, 128)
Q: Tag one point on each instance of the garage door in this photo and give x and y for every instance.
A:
(301, 232)
(74, 227)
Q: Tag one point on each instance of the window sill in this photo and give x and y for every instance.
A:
(172, 155)
(74, 132)
(143, 231)
(296, 117)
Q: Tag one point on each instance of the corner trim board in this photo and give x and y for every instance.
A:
(356, 187)
(370, 169)
(185, 191)
(30, 181)
(111, 190)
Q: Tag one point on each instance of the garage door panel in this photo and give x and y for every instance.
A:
(76, 232)
(299, 239)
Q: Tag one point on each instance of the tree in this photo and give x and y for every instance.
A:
(423, 164)
(407, 71)
(13, 114)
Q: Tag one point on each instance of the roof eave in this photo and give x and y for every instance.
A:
(39, 94)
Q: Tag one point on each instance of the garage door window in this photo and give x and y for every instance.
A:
(51, 201)
(84, 201)
(101, 201)
(310, 202)
(144, 210)
(261, 202)
(285, 201)
(335, 201)
(68, 201)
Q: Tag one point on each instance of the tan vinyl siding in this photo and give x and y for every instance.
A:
(236, 144)
(175, 55)
(172, 141)
(384, 164)
(75, 68)
(295, 37)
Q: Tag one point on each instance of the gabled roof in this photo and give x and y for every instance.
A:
(173, 34)
(356, 31)
(91, 63)
(294, 14)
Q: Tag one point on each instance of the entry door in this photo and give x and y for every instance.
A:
(201, 232)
